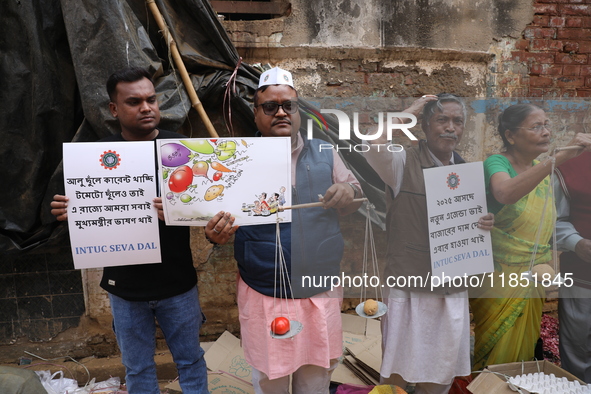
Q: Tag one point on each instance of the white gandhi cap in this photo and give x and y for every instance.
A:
(276, 76)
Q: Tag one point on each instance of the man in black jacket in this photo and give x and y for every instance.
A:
(165, 291)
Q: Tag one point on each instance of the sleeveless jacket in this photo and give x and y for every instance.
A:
(312, 243)
(575, 179)
(407, 222)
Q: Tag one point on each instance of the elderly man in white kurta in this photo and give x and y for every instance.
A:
(425, 335)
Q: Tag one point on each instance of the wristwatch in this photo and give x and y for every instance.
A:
(356, 191)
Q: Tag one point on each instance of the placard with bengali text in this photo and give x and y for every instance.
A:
(456, 200)
(111, 216)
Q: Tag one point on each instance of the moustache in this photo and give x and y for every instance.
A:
(449, 136)
(281, 120)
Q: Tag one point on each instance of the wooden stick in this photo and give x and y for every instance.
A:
(176, 55)
(315, 204)
(576, 147)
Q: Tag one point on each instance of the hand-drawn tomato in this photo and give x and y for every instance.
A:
(180, 179)
(280, 325)
(217, 176)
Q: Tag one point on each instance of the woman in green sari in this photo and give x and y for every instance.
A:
(507, 314)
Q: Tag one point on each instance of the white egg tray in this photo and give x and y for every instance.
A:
(542, 383)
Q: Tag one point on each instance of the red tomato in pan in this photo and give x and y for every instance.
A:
(180, 179)
(280, 325)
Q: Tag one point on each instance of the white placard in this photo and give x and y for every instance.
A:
(456, 199)
(111, 216)
(248, 177)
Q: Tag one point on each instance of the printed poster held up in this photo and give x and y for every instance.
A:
(456, 199)
(111, 217)
(248, 177)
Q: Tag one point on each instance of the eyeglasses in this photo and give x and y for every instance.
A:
(537, 128)
(271, 107)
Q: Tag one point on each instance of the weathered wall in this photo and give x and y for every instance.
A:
(464, 25)
(475, 49)
(391, 49)
(216, 269)
(550, 58)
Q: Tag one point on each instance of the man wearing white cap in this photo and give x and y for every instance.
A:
(313, 245)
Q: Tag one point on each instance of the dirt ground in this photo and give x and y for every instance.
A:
(105, 367)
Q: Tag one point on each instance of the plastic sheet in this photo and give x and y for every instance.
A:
(57, 383)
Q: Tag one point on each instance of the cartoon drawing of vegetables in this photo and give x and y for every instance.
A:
(201, 146)
(174, 155)
(180, 179)
(213, 192)
(220, 167)
(225, 150)
(200, 168)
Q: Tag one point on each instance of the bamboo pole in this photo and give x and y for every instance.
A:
(176, 55)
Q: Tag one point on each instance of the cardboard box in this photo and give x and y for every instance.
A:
(355, 324)
(222, 383)
(353, 365)
(491, 383)
(368, 355)
(357, 329)
(362, 340)
(226, 355)
(342, 374)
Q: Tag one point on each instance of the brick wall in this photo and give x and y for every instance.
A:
(553, 56)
